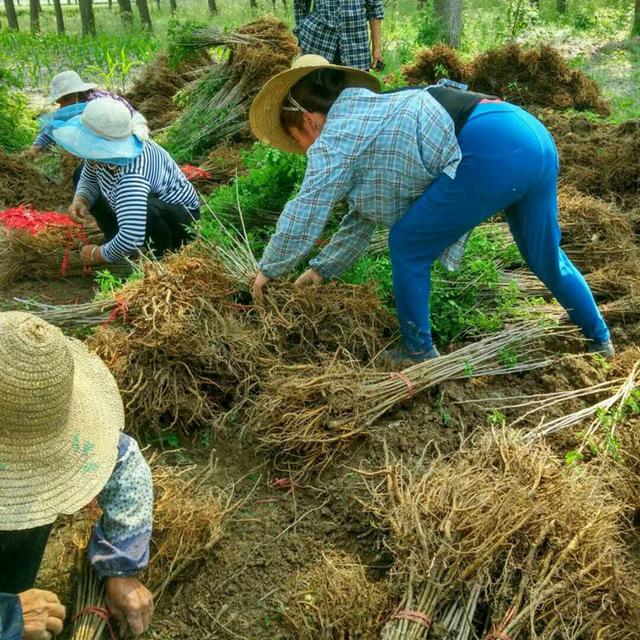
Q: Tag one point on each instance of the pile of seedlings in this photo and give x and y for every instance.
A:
(217, 103)
(537, 77)
(336, 598)
(502, 540)
(40, 244)
(154, 91)
(597, 157)
(21, 183)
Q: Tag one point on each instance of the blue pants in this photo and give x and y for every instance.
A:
(509, 162)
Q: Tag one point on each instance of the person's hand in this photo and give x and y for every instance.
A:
(257, 291)
(42, 613)
(91, 254)
(310, 276)
(130, 603)
(78, 210)
(377, 61)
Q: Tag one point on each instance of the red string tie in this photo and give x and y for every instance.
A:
(413, 616)
(121, 308)
(101, 613)
(401, 376)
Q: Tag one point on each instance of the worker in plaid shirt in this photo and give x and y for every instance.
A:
(337, 30)
(431, 164)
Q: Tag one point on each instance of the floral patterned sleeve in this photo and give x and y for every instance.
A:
(119, 545)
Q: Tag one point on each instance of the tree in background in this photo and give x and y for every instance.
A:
(34, 15)
(12, 16)
(126, 12)
(174, 6)
(449, 14)
(145, 16)
(57, 7)
(561, 6)
(213, 7)
(87, 17)
(636, 19)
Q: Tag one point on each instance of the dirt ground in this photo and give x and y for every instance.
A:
(282, 528)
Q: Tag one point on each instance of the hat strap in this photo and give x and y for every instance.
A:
(295, 106)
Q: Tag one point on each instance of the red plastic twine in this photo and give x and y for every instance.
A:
(122, 307)
(193, 173)
(413, 616)
(401, 376)
(26, 218)
(101, 613)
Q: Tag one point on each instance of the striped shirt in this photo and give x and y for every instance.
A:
(44, 139)
(126, 190)
(379, 152)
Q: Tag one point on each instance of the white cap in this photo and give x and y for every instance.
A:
(111, 120)
(66, 83)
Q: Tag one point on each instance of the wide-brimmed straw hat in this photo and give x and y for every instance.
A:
(66, 83)
(264, 115)
(106, 131)
(60, 420)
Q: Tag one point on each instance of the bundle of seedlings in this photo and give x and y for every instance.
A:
(225, 162)
(506, 525)
(597, 157)
(307, 414)
(188, 518)
(435, 63)
(605, 415)
(40, 244)
(20, 182)
(217, 104)
(180, 349)
(302, 322)
(335, 598)
(154, 90)
(616, 280)
(625, 308)
(594, 232)
(535, 77)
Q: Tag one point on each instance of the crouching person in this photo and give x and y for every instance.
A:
(130, 185)
(61, 445)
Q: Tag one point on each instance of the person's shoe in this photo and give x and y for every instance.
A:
(604, 348)
(401, 358)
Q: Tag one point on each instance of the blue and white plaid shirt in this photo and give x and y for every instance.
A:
(379, 152)
(337, 29)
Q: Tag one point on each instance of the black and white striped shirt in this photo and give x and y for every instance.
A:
(127, 188)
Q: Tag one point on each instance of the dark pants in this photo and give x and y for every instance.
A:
(168, 225)
(21, 553)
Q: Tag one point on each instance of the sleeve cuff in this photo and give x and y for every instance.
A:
(325, 270)
(87, 197)
(11, 620)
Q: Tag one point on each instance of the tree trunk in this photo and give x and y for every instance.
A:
(561, 6)
(12, 16)
(57, 7)
(126, 12)
(449, 13)
(145, 16)
(253, 4)
(87, 17)
(636, 19)
(34, 16)
(173, 5)
(158, 4)
(213, 7)
(110, 4)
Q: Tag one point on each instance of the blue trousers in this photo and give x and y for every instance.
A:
(509, 162)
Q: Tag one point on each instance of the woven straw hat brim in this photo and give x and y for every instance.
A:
(42, 476)
(264, 115)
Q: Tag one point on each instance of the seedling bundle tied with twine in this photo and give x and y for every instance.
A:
(504, 523)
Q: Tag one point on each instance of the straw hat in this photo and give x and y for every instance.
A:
(264, 115)
(106, 131)
(65, 83)
(60, 420)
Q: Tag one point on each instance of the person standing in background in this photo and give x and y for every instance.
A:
(337, 30)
